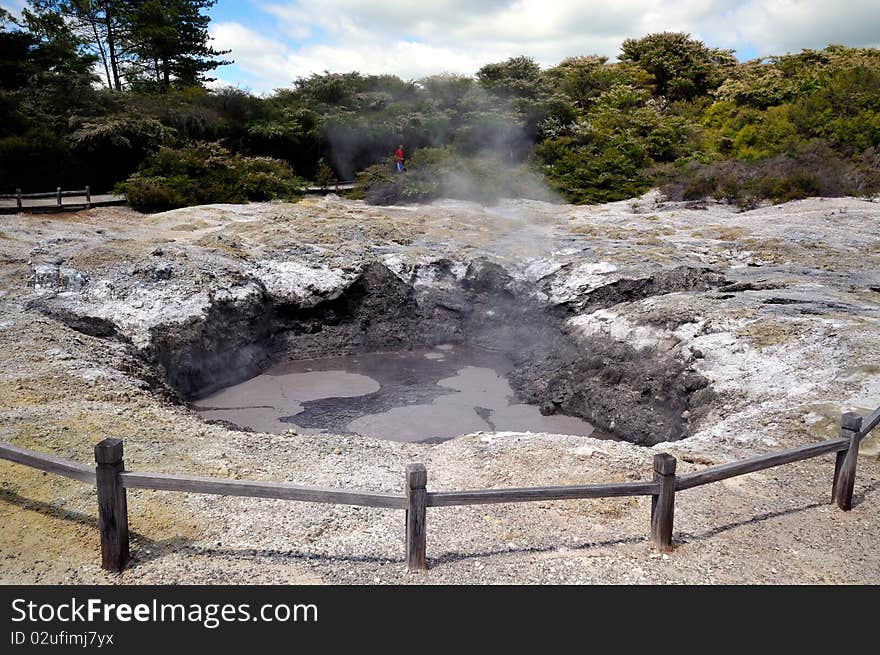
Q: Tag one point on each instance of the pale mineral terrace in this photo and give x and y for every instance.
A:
(765, 323)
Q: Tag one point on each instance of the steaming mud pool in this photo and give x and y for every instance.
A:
(425, 395)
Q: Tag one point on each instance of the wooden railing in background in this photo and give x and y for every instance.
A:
(111, 480)
(58, 194)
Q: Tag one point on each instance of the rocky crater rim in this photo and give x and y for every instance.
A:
(570, 355)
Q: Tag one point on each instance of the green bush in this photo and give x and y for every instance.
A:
(703, 186)
(207, 173)
(815, 170)
(682, 67)
(598, 171)
(796, 186)
(324, 176)
(264, 178)
(158, 192)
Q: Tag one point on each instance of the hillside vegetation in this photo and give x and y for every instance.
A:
(670, 111)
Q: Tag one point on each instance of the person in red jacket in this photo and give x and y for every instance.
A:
(398, 158)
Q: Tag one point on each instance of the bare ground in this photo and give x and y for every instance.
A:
(783, 370)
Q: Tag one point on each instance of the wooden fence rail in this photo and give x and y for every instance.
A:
(47, 463)
(163, 482)
(111, 480)
(58, 194)
(573, 492)
(759, 463)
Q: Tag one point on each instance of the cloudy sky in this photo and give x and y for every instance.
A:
(274, 42)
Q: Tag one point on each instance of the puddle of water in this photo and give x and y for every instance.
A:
(417, 395)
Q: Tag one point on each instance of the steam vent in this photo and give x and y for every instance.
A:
(330, 343)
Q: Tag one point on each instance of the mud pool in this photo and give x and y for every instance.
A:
(422, 395)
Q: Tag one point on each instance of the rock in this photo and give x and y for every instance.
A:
(44, 276)
(52, 277)
(162, 271)
(548, 408)
(72, 279)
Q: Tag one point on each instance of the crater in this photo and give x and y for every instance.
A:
(425, 353)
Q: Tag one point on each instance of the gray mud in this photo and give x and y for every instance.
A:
(426, 395)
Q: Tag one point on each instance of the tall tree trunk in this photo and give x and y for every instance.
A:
(166, 74)
(111, 48)
(100, 43)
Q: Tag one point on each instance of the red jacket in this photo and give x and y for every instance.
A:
(398, 155)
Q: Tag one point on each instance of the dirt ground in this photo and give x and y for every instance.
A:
(787, 352)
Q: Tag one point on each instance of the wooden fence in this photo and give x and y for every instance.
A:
(112, 480)
(336, 186)
(58, 194)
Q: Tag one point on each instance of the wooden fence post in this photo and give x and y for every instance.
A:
(112, 505)
(416, 511)
(88, 197)
(59, 196)
(845, 466)
(18, 197)
(663, 503)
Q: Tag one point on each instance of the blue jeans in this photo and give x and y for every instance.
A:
(400, 166)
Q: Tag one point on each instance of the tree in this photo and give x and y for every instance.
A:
(683, 68)
(170, 41)
(525, 100)
(15, 55)
(446, 90)
(98, 23)
(163, 41)
(45, 78)
(518, 77)
(585, 79)
(43, 45)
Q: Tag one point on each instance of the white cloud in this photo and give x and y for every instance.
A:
(14, 6)
(779, 26)
(413, 39)
(264, 59)
(270, 63)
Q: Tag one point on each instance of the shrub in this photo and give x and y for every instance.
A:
(701, 186)
(324, 176)
(796, 186)
(598, 171)
(207, 173)
(814, 170)
(264, 178)
(158, 192)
